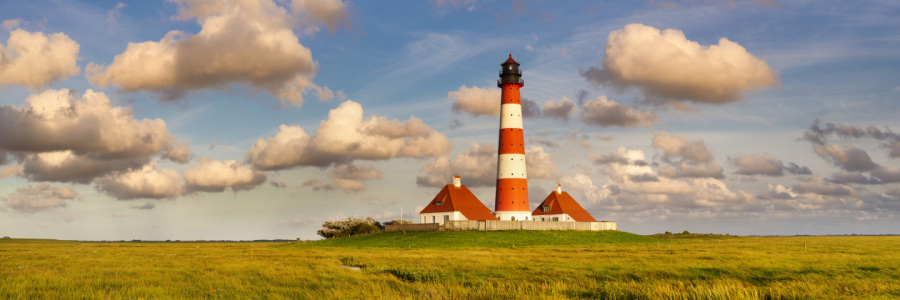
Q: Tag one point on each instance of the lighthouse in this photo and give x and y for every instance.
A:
(511, 202)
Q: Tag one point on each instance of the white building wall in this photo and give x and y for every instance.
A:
(438, 217)
(549, 218)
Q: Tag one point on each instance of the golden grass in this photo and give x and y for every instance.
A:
(733, 268)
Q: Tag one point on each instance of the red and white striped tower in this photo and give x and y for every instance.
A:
(511, 203)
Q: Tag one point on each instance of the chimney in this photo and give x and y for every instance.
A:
(456, 181)
(558, 188)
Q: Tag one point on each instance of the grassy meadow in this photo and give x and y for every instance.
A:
(461, 265)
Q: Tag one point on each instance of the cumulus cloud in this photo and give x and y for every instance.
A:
(67, 166)
(675, 147)
(34, 60)
(583, 184)
(765, 164)
(351, 177)
(820, 187)
(148, 182)
(346, 136)
(848, 158)
(561, 110)
(476, 101)
(540, 164)
(605, 113)
(685, 158)
(82, 137)
(530, 109)
(9, 171)
(666, 66)
(215, 176)
(887, 174)
(796, 169)
(240, 42)
(332, 13)
(635, 185)
(477, 166)
(32, 199)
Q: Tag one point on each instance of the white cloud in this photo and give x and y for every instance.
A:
(539, 164)
(333, 13)
(346, 136)
(241, 42)
(605, 113)
(8, 171)
(82, 137)
(477, 166)
(665, 65)
(148, 182)
(67, 166)
(32, 199)
(476, 101)
(685, 158)
(34, 60)
(215, 176)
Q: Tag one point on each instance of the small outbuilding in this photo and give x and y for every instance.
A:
(560, 207)
(455, 202)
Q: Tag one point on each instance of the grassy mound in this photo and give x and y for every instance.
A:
(488, 239)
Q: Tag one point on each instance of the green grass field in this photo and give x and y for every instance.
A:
(461, 265)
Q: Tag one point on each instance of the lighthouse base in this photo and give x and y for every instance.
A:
(513, 215)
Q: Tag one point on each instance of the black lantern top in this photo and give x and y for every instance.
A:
(509, 73)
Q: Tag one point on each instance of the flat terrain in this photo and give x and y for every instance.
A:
(459, 265)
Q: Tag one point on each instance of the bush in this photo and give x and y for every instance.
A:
(398, 222)
(349, 227)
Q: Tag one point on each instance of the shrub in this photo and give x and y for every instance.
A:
(398, 222)
(349, 227)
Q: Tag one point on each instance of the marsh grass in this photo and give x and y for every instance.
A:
(460, 265)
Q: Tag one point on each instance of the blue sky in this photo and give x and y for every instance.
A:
(201, 119)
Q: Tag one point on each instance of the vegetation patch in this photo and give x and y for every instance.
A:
(484, 239)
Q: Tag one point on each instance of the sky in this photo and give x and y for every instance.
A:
(261, 119)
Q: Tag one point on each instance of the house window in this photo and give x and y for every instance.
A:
(432, 219)
(513, 218)
(546, 209)
(438, 202)
(555, 219)
(542, 219)
(446, 218)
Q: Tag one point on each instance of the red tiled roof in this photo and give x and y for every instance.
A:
(462, 200)
(563, 203)
(509, 60)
